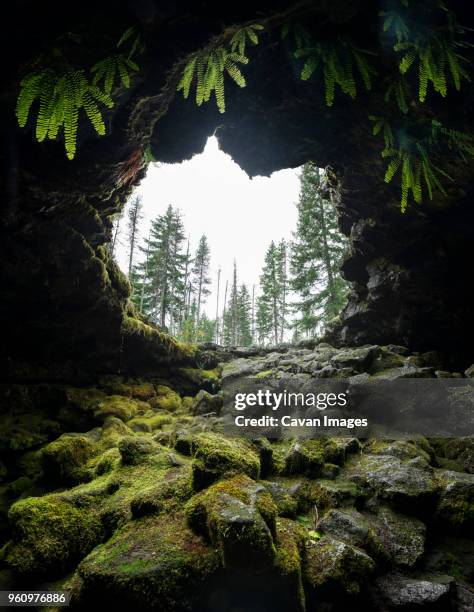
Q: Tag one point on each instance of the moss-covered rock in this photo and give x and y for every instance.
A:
(334, 566)
(290, 548)
(123, 408)
(166, 399)
(456, 504)
(205, 403)
(238, 517)
(134, 449)
(50, 534)
(197, 378)
(306, 457)
(214, 455)
(157, 560)
(411, 488)
(63, 459)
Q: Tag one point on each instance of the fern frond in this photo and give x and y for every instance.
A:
(112, 68)
(240, 38)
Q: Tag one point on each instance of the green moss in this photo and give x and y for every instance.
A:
(288, 560)
(134, 449)
(202, 379)
(239, 518)
(166, 399)
(214, 455)
(49, 534)
(156, 559)
(332, 564)
(19, 486)
(306, 457)
(150, 422)
(124, 408)
(63, 459)
(264, 374)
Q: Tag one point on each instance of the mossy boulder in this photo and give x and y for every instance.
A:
(155, 560)
(197, 378)
(166, 399)
(123, 408)
(237, 516)
(63, 459)
(456, 504)
(205, 403)
(335, 566)
(50, 534)
(135, 449)
(166, 496)
(306, 457)
(290, 551)
(411, 488)
(214, 455)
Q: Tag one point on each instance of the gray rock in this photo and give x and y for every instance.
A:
(411, 488)
(469, 373)
(401, 538)
(400, 592)
(205, 403)
(456, 503)
(359, 358)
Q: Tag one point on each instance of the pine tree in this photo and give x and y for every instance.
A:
(163, 271)
(282, 282)
(269, 301)
(244, 325)
(201, 276)
(134, 215)
(206, 329)
(231, 315)
(316, 255)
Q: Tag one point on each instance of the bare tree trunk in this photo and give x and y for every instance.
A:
(225, 302)
(217, 305)
(253, 314)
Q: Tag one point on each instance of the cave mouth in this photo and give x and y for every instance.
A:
(229, 233)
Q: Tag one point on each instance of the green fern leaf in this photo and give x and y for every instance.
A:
(392, 169)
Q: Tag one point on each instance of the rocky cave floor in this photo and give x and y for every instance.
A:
(148, 504)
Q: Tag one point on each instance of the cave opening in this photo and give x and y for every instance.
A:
(118, 481)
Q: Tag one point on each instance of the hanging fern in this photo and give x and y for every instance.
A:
(111, 68)
(339, 61)
(206, 69)
(240, 38)
(61, 97)
(399, 90)
(412, 157)
(300, 35)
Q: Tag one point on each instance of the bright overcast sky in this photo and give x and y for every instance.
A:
(240, 216)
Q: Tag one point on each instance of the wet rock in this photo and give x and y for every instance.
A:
(401, 538)
(399, 592)
(214, 455)
(336, 566)
(358, 358)
(238, 517)
(157, 558)
(205, 403)
(408, 487)
(456, 503)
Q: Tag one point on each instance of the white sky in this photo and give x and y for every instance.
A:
(240, 216)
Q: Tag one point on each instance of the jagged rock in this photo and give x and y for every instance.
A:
(215, 455)
(402, 593)
(456, 503)
(408, 487)
(336, 566)
(306, 457)
(205, 403)
(401, 538)
(157, 558)
(238, 517)
(359, 358)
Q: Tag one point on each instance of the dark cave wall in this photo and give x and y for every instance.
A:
(64, 302)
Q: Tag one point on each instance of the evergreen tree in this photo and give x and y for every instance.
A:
(269, 316)
(163, 271)
(282, 287)
(134, 215)
(201, 276)
(206, 329)
(231, 315)
(316, 255)
(244, 324)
